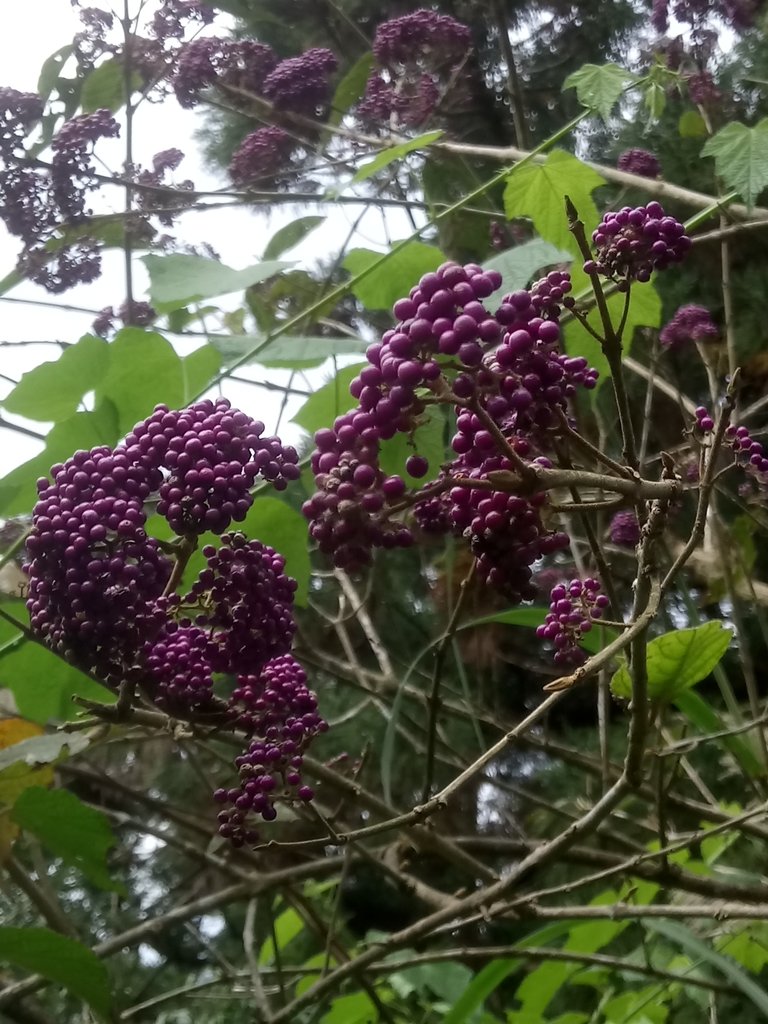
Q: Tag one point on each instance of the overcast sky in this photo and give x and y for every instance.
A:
(35, 30)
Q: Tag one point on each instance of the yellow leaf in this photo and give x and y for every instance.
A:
(17, 777)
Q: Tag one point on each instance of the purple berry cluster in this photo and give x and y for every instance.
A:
(573, 609)
(750, 455)
(265, 157)
(173, 17)
(639, 161)
(212, 456)
(71, 167)
(689, 324)
(624, 529)
(417, 57)
(19, 112)
(279, 710)
(237, 65)
(104, 595)
(702, 89)
(632, 243)
(302, 85)
(737, 14)
(510, 384)
(156, 195)
(130, 314)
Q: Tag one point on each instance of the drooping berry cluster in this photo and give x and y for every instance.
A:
(131, 314)
(240, 66)
(302, 85)
(103, 594)
(265, 157)
(624, 529)
(281, 712)
(212, 456)
(689, 324)
(510, 383)
(417, 57)
(156, 195)
(702, 89)
(632, 243)
(639, 161)
(574, 608)
(750, 455)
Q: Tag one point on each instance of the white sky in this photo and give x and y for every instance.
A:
(34, 30)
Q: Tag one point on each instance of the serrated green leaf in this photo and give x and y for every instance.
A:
(389, 156)
(60, 959)
(599, 86)
(741, 158)
(676, 661)
(53, 390)
(350, 88)
(329, 401)
(104, 87)
(290, 235)
(294, 352)
(83, 430)
(538, 191)
(143, 371)
(520, 264)
(428, 440)
(180, 279)
(395, 278)
(692, 125)
(81, 836)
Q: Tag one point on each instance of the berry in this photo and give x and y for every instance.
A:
(573, 609)
(631, 244)
(639, 161)
(624, 529)
(690, 323)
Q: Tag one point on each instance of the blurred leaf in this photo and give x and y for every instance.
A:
(198, 370)
(520, 264)
(180, 279)
(295, 352)
(357, 1008)
(676, 661)
(655, 100)
(43, 685)
(388, 156)
(706, 719)
(290, 235)
(533, 616)
(84, 430)
(16, 774)
(51, 69)
(53, 390)
(394, 278)
(34, 747)
(144, 370)
(478, 990)
(350, 88)
(329, 401)
(692, 125)
(428, 440)
(62, 960)
(538, 191)
(741, 158)
(81, 836)
(681, 935)
(598, 87)
(105, 86)
(286, 927)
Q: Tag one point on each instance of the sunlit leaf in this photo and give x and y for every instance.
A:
(741, 158)
(395, 278)
(329, 401)
(53, 390)
(599, 86)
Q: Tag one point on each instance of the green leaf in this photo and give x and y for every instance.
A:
(43, 685)
(357, 1008)
(644, 311)
(682, 936)
(61, 960)
(53, 390)
(290, 235)
(538, 191)
(83, 430)
(741, 158)
(330, 401)
(428, 440)
(537, 990)
(478, 990)
(286, 927)
(51, 69)
(599, 86)
(677, 661)
(520, 264)
(44, 749)
(533, 617)
(180, 279)
(389, 155)
(395, 278)
(350, 88)
(707, 720)
(294, 352)
(198, 370)
(692, 125)
(81, 836)
(105, 86)
(446, 980)
(655, 100)
(143, 371)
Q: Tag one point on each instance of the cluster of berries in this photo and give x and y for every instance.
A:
(574, 607)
